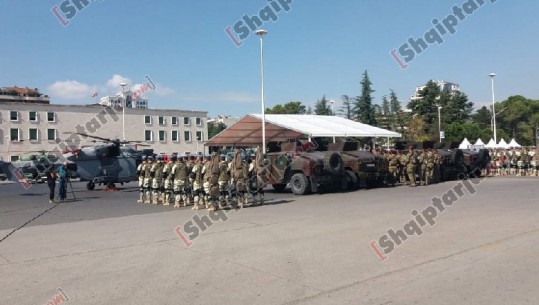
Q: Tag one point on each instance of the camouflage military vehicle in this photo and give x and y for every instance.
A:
(475, 161)
(452, 167)
(363, 169)
(305, 170)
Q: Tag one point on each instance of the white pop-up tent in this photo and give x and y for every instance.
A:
(514, 143)
(479, 142)
(282, 127)
(502, 144)
(491, 144)
(465, 144)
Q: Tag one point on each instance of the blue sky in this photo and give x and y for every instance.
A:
(315, 48)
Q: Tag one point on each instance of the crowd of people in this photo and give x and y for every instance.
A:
(520, 161)
(217, 181)
(211, 182)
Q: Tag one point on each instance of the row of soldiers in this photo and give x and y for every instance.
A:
(212, 181)
(415, 167)
(515, 161)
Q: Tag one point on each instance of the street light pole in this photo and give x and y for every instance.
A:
(440, 122)
(123, 108)
(262, 33)
(492, 75)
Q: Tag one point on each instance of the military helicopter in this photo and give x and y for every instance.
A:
(108, 163)
(34, 164)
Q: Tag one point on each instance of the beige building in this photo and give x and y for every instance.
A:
(29, 127)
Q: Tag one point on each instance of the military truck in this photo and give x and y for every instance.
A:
(475, 161)
(363, 168)
(305, 169)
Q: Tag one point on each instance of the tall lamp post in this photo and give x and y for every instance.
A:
(262, 33)
(440, 122)
(492, 75)
(124, 104)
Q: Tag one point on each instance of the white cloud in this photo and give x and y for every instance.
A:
(230, 97)
(114, 82)
(71, 89)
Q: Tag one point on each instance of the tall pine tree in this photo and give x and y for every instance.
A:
(363, 109)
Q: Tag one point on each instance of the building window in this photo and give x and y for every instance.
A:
(32, 116)
(199, 136)
(162, 134)
(147, 119)
(186, 121)
(162, 120)
(15, 134)
(174, 136)
(32, 134)
(14, 158)
(50, 117)
(14, 115)
(51, 134)
(187, 136)
(174, 121)
(148, 135)
(199, 121)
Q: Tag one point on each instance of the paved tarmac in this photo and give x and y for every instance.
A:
(104, 248)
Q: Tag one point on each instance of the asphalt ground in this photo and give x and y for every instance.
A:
(104, 248)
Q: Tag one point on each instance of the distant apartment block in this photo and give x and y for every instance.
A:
(448, 87)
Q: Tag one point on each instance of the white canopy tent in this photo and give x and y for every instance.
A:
(502, 144)
(514, 143)
(283, 127)
(479, 142)
(491, 144)
(465, 144)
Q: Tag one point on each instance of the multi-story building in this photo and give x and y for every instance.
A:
(27, 127)
(16, 94)
(228, 120)
(132, 100)
(448, 87)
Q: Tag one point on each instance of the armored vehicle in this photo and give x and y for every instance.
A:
(304, 169)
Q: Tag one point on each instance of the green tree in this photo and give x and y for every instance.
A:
(347, 106)
(426, 105)
(456, 107)
(214, 128)
(483, 117)
(293, 107)
(363, 106)
(396, 112)
(321, 107)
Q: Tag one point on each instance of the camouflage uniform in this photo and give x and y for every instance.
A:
(198, 183)
(403, 160)
(180, 173)
(168, 180)
(214, 182)
(140, 174)
(430, 163)
(157, 175)
(206, 174)
(240, 173)
(189, 184)
(224, 180)
(411, 167)
(394, 166)
(260, 176)
(147, 182)
(437, 173)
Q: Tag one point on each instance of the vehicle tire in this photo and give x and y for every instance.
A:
(352, 180)
(457, 157)
(483, 158)
(279, 187)
(299, 184)
(333, 164)
(90, 186)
